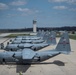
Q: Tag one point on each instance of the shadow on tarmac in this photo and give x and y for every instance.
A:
(56, 62)
(24, 67)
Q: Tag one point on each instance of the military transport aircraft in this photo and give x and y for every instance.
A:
(45, 37)
(30, 39)
(28, 55)
(51, 40)
(27, 41)
(38, 37)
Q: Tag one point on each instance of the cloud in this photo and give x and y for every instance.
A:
(24, 9)
(18, 3)
(64, 7)
(72, 9)
(67, 1)
(11, 15)
(28, 11)
(56, 0)
(3, 6)
(72, 1)
(60, 7)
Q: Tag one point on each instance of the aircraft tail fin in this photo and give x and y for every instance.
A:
(51, 38)
(39, 33)
(46, 35)
(42, 33)
(64, 44)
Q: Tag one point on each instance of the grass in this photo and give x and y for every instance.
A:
(15, 35)
(72, 36)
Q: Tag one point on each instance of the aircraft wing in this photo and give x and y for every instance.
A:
(27, 45)
(27, 54)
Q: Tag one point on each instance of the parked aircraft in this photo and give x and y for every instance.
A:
(52, 37)
(28, 55)
(38, 37)
(51, 40)
(39, 33)
(28, 38)
(45, 37)
(27, 41)
(33, 46)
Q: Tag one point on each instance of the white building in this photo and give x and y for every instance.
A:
(34, 26)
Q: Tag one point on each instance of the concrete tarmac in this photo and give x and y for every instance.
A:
(59, 65)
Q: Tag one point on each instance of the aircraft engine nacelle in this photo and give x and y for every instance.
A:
(42, 56)
(35, 48)
(38, 47)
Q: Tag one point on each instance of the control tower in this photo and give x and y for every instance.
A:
(34, 26)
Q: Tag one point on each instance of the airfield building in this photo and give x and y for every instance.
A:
(34, 26)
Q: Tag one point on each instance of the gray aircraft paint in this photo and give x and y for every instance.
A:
(28, 56)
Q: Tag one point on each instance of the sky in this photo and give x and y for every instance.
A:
(47, 13)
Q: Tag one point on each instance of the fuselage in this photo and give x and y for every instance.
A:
(14, 47)
(28, 38)
(27, 41)
(26, 57)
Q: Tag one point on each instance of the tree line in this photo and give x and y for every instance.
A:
(67, 28)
